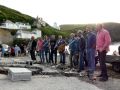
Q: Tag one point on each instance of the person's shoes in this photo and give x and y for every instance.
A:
(93, 78)
(81, 74)
(99, 75)
(73, 69)
(103, 79)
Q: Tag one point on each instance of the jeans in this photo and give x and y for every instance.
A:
(75, 59)
(41, 52)
(62, 58)
(102, 57)
(81, 61)
(91, 62)
(47, 53)
(85, 58)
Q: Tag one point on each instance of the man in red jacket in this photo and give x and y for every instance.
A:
(102, 46)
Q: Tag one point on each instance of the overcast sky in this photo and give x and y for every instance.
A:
(68, 11)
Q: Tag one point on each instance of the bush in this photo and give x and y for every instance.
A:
(52, 31)
(20, 41)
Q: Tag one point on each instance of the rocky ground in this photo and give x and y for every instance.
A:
(54, 79)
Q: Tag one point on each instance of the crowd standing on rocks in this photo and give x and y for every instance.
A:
(83, 46)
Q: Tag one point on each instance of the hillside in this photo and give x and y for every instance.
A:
(114, 29)
(72, 27)
(14, 16)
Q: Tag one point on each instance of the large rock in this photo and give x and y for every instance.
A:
(5, 36)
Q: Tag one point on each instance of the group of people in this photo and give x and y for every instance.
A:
(83, 49)
(47, 49)
(12, 51)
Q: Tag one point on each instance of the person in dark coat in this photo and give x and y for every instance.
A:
(53, 50)
(82, 50)
(32, 47)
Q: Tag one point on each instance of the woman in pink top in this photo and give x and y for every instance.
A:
(40, 49)
(102, 45)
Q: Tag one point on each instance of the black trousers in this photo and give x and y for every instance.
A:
(53, 56)
(102, 59)
(32, 54)
(71, 59)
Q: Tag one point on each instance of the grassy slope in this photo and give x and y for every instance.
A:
(13, 15)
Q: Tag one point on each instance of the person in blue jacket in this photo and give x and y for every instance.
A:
(74, 48)
(91, 48)
(70, 43)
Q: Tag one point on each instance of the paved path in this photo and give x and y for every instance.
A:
(46, 83)
(43, 82)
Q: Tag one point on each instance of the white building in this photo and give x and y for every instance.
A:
(27, 34)
(9, 25)
(23, 25)
(18, 25)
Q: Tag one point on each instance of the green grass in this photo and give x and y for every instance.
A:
(48, 30)
(14, 16)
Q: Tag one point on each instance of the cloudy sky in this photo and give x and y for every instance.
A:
(68, 11)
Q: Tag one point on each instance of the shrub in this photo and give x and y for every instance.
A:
(20, 41)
